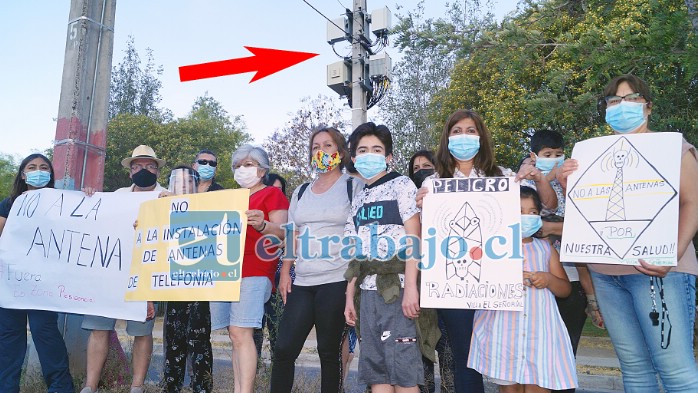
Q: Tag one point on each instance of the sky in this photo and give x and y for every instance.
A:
(180, 33)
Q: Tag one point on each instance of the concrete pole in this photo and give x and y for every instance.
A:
(80, 142)
(83, 108)
(359, 58)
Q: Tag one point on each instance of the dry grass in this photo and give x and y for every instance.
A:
(32, 382)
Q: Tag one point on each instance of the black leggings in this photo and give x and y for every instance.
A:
(187, 332)
(319, 305)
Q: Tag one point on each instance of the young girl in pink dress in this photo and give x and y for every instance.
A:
(529, 350)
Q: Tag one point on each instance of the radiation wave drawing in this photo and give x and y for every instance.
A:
(620, 195)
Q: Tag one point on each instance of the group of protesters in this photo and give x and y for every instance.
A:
(353, 194)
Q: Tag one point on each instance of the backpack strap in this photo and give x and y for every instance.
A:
(302, 190)
(350, 188)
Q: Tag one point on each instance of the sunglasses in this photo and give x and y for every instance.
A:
(207, 162)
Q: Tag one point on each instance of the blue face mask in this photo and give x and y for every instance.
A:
(206, 172)
(38, 179)
(626, 116)
(370, 165)
(530, 224)
(547, 164)
(464, 147)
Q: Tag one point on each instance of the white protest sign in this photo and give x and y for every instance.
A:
(471, 244)
(623, 201)
(64, 251)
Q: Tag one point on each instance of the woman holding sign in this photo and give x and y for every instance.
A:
(465, 150)
(35, 172)
(649, 310)
(268, 211)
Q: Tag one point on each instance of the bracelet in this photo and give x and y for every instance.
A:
(593, 304)
(264, 226)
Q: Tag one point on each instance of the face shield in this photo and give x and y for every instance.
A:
(183, 181)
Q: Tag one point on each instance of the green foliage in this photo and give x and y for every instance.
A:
(546, 68)
(430, 48)
(8, 171)
(136, 89)
(135, 119)
(288, 147)
(207, 126)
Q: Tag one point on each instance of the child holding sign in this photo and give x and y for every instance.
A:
(528, 351)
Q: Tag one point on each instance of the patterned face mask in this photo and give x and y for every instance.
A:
(323, 162)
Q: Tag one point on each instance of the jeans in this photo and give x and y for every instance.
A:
(49, 344)
(459, 326)
(319, 305)
(187, 332)
(625, 304)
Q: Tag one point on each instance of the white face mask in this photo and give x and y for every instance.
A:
(246, 176)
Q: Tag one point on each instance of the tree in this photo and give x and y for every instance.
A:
(547, 66)
(288, 147)
(126, 131)
(136, 89)
(8, 171)
(692, 7)
(430, 48)
(207, 126)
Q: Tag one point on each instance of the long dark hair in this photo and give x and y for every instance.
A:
(272, 177)
(421, 153)
(20, 185)
(530, 193)
(484, 160)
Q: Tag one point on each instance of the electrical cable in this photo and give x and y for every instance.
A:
(323, 15)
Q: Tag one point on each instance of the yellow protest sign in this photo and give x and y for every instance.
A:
(190, 247)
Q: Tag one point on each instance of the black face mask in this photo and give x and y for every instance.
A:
(144, 178)
(419, 176)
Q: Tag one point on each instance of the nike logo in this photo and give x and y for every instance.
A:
(385, 335)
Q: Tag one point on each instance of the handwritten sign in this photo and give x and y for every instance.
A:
(190, 247)
(471, 244)
(64, 251)
(623, 201)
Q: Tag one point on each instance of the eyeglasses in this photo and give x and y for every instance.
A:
(247, 164)
(207, 162)
(138, 167)
(615, 100)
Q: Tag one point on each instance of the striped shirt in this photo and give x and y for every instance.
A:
(529, 347)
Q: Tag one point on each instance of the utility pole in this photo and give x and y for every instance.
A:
(80, 142)
(362, 79)
(359, 59)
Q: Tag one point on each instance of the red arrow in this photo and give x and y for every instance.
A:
(265, 61)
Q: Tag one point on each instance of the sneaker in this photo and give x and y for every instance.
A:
(137, 389)
(87, 389)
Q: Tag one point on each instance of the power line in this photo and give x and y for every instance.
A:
(323, 15)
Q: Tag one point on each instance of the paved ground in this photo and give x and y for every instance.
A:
(597, 366)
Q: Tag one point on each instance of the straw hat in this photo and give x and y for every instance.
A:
(142, 151)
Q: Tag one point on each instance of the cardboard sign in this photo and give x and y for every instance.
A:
(190, 247)
(471, 244)
(64, 251)
(623, 201)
